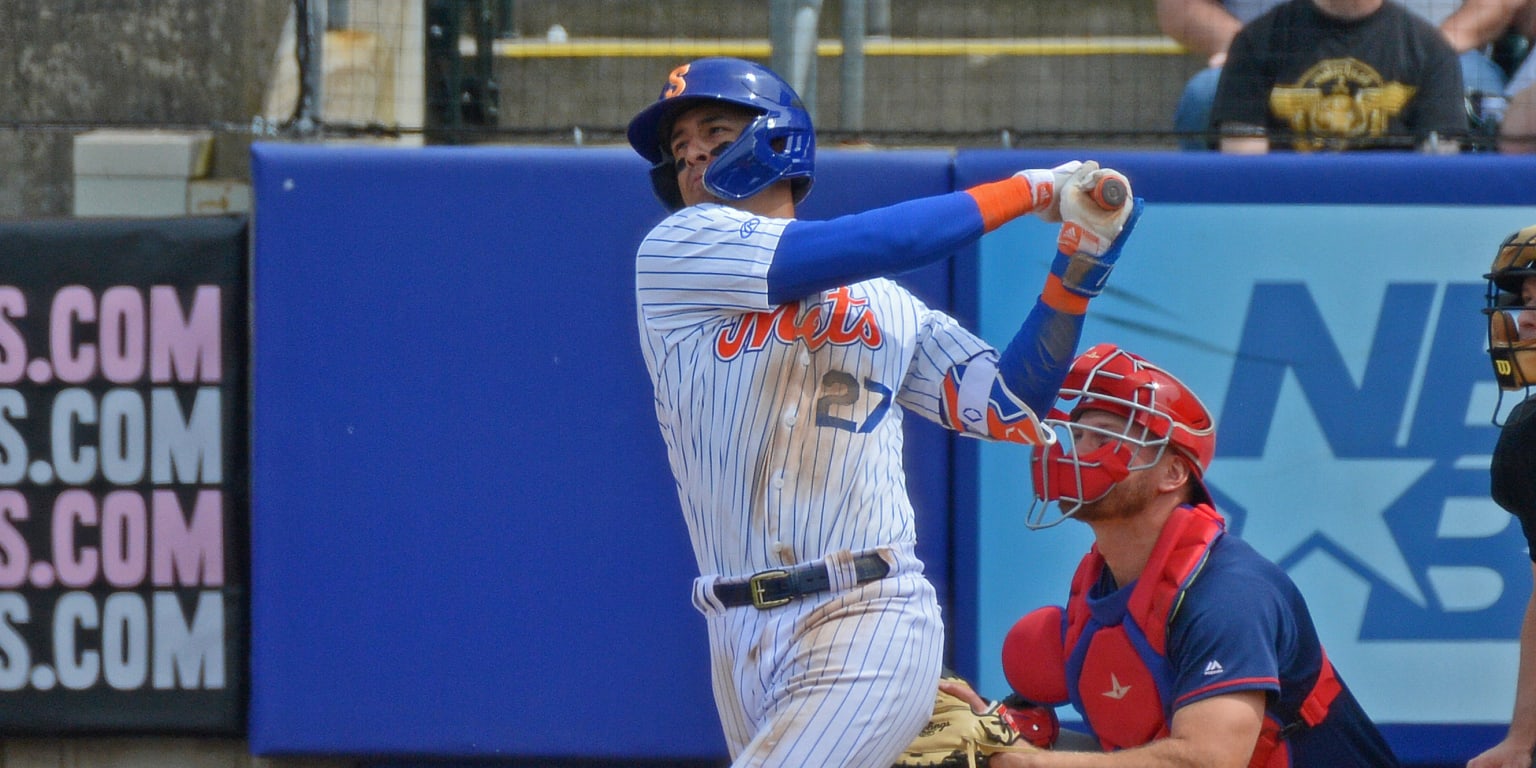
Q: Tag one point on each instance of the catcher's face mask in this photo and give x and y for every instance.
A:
(1511, 311)
(1092, 454)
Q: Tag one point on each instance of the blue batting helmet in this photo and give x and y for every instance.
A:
(779, 144)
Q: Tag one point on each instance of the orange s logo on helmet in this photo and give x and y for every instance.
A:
(675, 82)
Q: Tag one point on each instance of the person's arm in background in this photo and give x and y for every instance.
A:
(1439, 107)
(1478, 22)
(1203, 26)
(1515, 750)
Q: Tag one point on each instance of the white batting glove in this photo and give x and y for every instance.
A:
(1089, 224)
(1093, 230)
(1045, 186)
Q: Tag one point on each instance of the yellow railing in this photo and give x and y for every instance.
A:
(759, 49)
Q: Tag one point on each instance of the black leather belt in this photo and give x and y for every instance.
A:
(771, 589)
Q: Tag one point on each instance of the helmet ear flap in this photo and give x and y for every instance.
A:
(771, 148)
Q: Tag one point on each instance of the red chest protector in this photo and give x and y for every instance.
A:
(1119, 664)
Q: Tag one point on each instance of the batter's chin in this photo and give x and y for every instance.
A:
(694, 192)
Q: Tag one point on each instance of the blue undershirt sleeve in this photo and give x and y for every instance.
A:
(814, 256)
(1037, 360)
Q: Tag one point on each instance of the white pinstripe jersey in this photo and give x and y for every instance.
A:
(781, 423)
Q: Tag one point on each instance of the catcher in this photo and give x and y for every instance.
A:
(967, 731)
(1179, 644)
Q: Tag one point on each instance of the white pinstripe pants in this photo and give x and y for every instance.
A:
(844, 678)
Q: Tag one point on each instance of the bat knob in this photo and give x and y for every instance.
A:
(1109, 193)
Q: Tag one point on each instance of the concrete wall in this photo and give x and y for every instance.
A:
(69, 65)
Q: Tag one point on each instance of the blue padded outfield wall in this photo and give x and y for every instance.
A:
(465, 539)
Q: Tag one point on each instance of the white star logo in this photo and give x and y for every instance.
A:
(1299, 490)
(1116, 690)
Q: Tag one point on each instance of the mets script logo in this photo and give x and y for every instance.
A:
(1338, 100)
(841, 320)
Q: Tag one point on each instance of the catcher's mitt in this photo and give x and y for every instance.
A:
(957, 736)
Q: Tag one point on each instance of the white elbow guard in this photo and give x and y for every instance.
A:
(978, 404)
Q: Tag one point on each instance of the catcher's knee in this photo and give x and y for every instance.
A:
(1034, 657)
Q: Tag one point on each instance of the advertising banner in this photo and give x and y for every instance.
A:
(1342, 349)
(123, 481)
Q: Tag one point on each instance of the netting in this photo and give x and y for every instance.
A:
(1009, 73)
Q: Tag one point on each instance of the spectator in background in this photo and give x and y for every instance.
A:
(1339, 74)
(1512, 473)
(1207, 27)
(1517, 135)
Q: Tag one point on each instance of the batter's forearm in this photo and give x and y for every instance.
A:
(1039, 356)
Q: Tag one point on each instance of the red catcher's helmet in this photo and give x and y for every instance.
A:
(1159, 411)
(1511, 322)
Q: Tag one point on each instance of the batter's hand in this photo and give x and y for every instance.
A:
(1046, 185)
(1090, 226)
(1084, 270)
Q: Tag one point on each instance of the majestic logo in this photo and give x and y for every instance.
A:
(841, 320)
(1116, 690)
(1338, 103)
(1214, 668)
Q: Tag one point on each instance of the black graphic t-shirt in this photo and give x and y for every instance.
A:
(1318, 83)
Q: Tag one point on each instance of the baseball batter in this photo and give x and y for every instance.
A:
(784, 362)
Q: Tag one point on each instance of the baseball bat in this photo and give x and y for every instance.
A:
(1109, 193)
